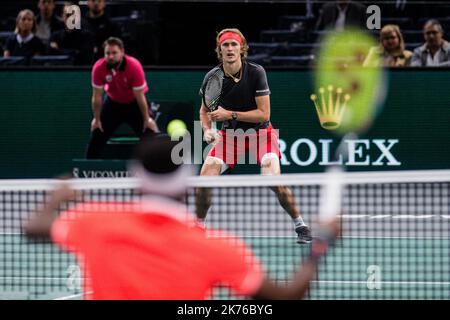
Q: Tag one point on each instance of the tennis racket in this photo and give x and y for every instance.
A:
(212, 92)
(362, 91)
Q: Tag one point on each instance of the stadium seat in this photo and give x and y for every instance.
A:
(13, 61)
(281, 36)
(65, 60)
(148, 42)
(299, 49)
(126, 24)
(121, 144)
(413, 35)
(8, 23)
(287, 21)
(261, 58)
(314, 36)
(128, 30)
(444, 21)
(412, 45)
(5, 35)
(292, 61)
(403, 22)
(265, 48)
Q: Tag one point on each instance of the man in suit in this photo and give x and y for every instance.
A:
(340, 14)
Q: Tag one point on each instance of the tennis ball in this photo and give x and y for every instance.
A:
(176, 128)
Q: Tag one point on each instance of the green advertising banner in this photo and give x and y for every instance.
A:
(46, 116)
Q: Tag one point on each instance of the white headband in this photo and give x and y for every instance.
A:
(169, 184)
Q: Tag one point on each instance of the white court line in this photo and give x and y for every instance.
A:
(343, 236)
(380, 216)
(34, 278)
(79, 295)
(353, 216)
(445, 216)
(70, 297)
(289, 237)
(410, 216)
(324, 281)
(407, 283)
(396, 237)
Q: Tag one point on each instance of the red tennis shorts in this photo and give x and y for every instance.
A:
(232, 146)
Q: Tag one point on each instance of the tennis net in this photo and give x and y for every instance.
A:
(395, 233)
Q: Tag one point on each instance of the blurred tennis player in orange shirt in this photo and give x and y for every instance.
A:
(151, 249)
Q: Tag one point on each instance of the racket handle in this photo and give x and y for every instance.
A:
(213, 125)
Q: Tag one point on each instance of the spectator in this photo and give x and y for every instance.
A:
(436, 51)
(78, 43)
(46, 21)
(100, 25)
(391, 52)
(341, 14)
(23, 42)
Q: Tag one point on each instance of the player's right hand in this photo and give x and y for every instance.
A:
(96, 124)
(211, 135)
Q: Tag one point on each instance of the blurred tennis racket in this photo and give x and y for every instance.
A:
(212, 92)
(355, 96)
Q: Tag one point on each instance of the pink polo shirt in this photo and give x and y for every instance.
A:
(119, 83)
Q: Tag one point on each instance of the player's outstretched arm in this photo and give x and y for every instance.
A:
(41, 222)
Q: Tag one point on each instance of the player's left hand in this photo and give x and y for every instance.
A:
(220, 114)
(150, 124)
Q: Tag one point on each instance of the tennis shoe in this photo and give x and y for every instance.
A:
(303, 234)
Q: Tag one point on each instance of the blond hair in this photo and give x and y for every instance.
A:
(386, 30)
(378, 56)
(24, 13)
(244, 45)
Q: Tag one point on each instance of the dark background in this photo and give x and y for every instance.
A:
(183, 32)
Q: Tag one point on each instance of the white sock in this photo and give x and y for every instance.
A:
(299, 222)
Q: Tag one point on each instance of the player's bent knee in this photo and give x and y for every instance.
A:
(210, 170)
(270, 164)
(211, 167)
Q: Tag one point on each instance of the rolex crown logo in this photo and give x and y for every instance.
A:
(330, 114)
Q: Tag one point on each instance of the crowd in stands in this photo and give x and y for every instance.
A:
(404, 40)
(46, 34)
(426, 46)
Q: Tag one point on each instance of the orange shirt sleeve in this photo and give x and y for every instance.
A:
(237, 266)
(73, 227)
